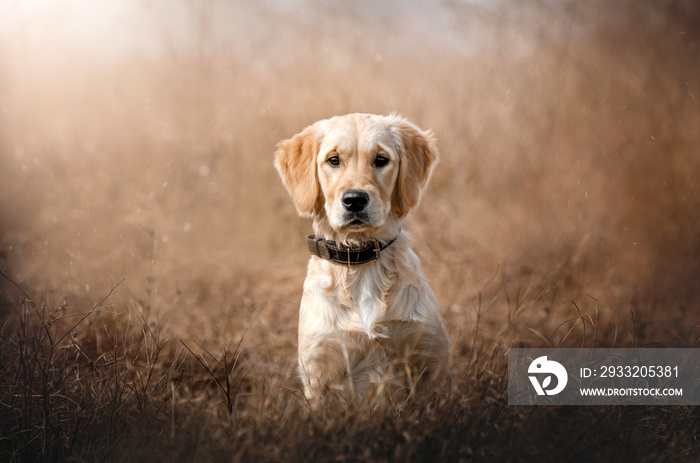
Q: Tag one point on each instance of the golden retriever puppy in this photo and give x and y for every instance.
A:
(369, 324)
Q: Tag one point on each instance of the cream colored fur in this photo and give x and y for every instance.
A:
(371, 330)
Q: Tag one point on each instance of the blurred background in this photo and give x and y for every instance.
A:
(136, 141)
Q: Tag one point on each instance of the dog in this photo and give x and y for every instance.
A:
(369, 324)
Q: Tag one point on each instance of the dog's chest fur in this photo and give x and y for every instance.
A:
(365, 298)
(363, 294)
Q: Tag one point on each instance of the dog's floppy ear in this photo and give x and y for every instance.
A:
(295, 160)
(418, 156)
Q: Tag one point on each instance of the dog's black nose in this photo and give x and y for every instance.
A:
(355, 200)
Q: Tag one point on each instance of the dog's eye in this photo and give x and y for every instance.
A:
(381, 161)
(333, 161)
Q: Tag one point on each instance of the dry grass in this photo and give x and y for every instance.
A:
(152, 262)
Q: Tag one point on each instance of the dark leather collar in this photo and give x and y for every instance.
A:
(330, 250)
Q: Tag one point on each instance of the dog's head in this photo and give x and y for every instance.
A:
(357, 170)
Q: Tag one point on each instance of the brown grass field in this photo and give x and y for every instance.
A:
(152, 262)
